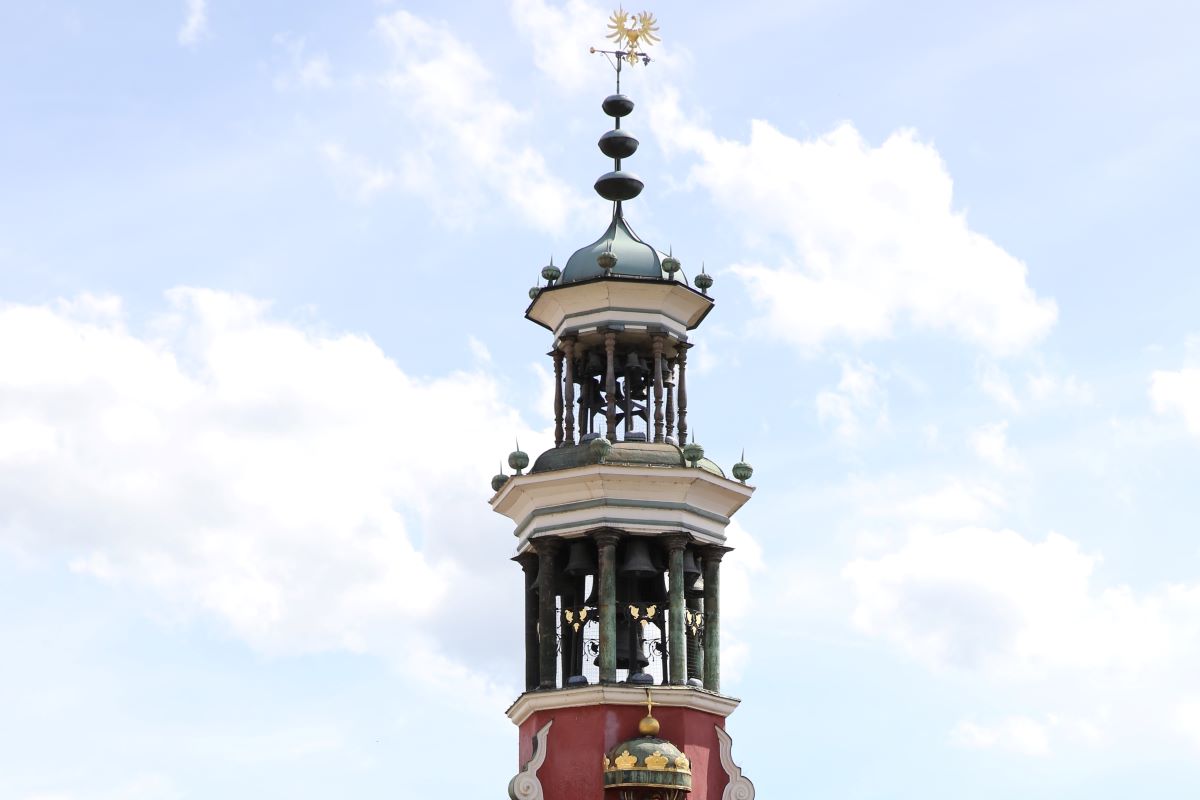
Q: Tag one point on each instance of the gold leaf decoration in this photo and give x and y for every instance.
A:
(656, 761)
(625, 760)
(682, 763)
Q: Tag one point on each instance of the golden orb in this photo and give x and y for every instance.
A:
(648, 726)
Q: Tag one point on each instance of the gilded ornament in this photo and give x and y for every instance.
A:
(607, 763)
(625, 761)
(651, 610)
(656, 761)
(634, 611)
(682, 763)
(632, 31)
(570, 615)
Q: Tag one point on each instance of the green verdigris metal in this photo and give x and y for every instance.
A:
(647, 761)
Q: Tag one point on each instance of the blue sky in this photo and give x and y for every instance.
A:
(262, 275)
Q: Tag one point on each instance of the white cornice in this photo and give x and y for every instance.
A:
(615, 695)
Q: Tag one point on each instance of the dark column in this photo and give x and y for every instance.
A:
(675, 641)
(712, 617)
(610, 383)
(569, 386)
(558, 398)
(529, 565)
(670, 385)
(658, 388)
(547, 550)
(683, 348)
(606, 543)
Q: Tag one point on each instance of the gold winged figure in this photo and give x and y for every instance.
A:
(631, 32)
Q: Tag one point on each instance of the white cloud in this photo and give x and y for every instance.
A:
(469, 145)
(560, 38)
(858, 404)
(1177, 392)
(195, 24)
(996, 602)
(304, 70)
(359, 176)
(954, 502)
(994, 382)
(296, 484)
(1018, 734)
(990, 442)
(867, 236)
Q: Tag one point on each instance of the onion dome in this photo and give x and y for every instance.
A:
(647, 761)
(704, 281)
(533, 291)
(741, 470)
(550, 272)
(634, 258)
(498, 480)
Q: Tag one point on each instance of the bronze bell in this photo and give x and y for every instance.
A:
(594, 364)
(625, 646)
(581, 559)
(637, 562)
(693, 577)
(651, 590)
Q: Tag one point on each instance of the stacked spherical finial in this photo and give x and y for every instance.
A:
(617, 144)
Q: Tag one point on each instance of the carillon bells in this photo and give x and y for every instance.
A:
(693, 578)
(581, 559)
(625, 646)
(636, 562)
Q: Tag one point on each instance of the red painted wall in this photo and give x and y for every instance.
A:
(580, 736)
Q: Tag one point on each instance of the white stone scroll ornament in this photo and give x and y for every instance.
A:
(739, 786)
(525, 784)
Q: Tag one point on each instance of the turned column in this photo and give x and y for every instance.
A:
(606, 544)
(547, 551)
(610, 383)
(529, 565)
(670, 385)
(558, 397)
(658, 388)
(676, 646)
(712, 617)
(568, 384)
(682, 390)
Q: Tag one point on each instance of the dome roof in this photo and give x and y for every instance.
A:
(647, 761)
(654, 454)
(634, 257)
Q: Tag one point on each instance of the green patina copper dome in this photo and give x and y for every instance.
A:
(647, 761)
(635, 258)
(637, 454)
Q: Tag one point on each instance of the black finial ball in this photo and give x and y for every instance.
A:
(617, 105)
(618, 144)
(619, 185)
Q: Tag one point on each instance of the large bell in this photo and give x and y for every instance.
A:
(637, 562)
(625, 646)
(581, 559)
(594, 364)
(651, 590)
(693, 580)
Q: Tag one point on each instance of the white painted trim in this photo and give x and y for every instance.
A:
(739, 786)
(616, 695)
(525, 784)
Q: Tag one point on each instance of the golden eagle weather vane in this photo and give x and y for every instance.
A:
(631, 33)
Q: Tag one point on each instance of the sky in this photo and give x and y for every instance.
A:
(263, 270)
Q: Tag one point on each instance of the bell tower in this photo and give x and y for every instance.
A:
(621, 525)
